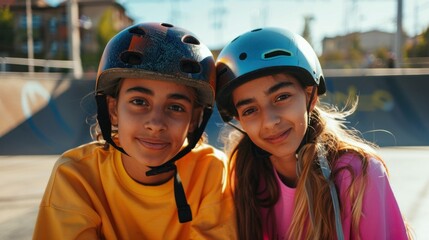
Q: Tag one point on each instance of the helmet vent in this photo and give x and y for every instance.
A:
(256, 30)
(191, 40)
(189, 66)
(167, 25)
(137, 31)
(243, 56)
(277, 53)
(132, 58)
(235, 39)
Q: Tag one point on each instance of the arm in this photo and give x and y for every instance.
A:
(215, 216)
(380, 216)
(54, 223)
(64, 213)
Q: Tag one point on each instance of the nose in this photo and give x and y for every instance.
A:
(270, 118)
(155, 120)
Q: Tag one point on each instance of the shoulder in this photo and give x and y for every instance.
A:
(351, 165)
(82, 152)
(82, 158)
(359, 164)
(207, 153)
(204, 159)
(75, 170)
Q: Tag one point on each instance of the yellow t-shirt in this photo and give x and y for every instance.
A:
(90, 196)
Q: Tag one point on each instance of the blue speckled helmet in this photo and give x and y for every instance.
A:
(157, 51)
(162, 52)
(262, 52)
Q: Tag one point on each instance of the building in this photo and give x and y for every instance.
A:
(98, 21)
(369, 41)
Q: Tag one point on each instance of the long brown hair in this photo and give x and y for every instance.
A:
(326, 130)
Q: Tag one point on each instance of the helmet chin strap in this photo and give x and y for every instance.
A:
(192, 141)
(326, 172)
(183, 208)
(306, 135)
(103, 119)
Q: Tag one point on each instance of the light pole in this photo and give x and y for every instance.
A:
(30, 45)
(74, 38)
(398, 39)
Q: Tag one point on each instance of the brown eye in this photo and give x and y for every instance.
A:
(248, 111)
(282, 97)
(139, 102)
(177, 108)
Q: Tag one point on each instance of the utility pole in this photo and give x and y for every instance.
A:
(398, 39)
(74, 38)
(30, 45)
(218, 17)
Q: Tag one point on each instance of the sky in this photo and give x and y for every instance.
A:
(216, 22)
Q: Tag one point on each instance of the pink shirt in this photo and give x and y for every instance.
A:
(381, 217)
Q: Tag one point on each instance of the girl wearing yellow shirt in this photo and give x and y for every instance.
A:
(149, 175)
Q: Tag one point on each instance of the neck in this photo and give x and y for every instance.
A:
(286, 169)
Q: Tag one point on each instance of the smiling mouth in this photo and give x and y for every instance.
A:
(278, 138)
(153, 144)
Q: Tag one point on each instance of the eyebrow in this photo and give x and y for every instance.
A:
(176, 96)
(141, 90)
(270, 90)
(278, 86)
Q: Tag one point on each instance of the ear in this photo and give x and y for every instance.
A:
(197, 116)
(113, 110)
(309, 91)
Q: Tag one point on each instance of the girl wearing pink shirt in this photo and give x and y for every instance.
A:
(298, 172)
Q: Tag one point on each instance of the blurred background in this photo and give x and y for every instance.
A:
(377, 50)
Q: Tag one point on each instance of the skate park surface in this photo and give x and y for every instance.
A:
(23, 179)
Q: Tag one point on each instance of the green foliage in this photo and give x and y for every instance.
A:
(90, 62)
(6, 16)
(332, 60)
(350, 55)
(105, 29)
(6, 29)
(420, 45)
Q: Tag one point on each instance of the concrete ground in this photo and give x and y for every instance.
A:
(23, 180)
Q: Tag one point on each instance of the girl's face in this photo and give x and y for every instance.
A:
(153, 119)
(272, 110)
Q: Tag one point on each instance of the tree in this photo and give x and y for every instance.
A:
(6, 29)
(420, 46)
(306, 32)
(348, 55)
(105, 31)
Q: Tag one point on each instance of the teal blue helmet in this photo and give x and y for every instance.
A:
(260, 52)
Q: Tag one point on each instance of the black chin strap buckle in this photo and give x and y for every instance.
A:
(183, 208)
